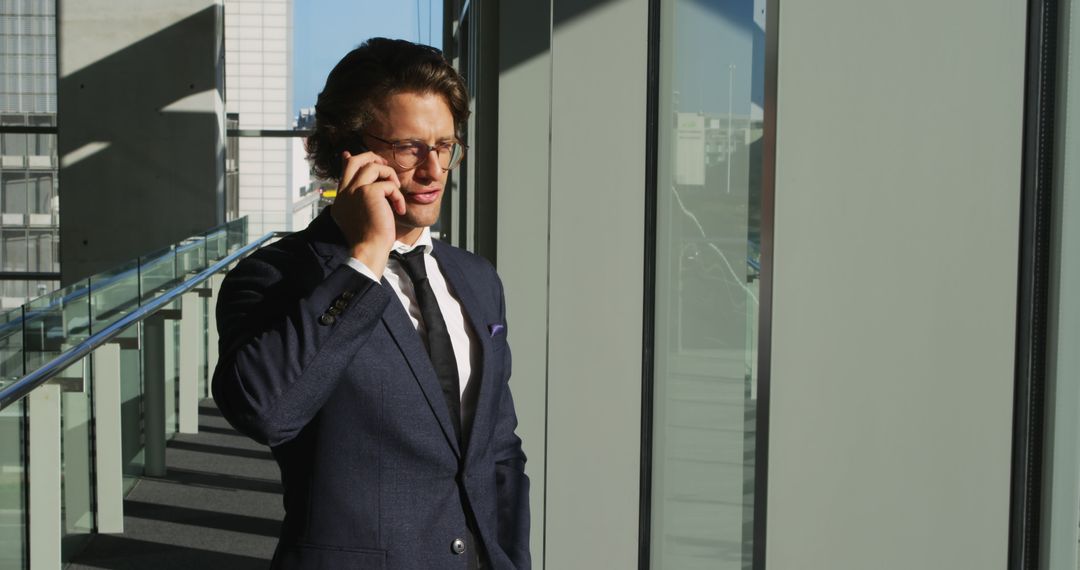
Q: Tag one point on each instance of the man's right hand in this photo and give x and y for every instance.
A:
(368, 196)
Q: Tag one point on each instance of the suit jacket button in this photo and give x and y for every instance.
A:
(340, 304)
(326, 319)
(458, 546)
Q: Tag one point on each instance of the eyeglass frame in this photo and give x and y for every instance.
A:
(411, 142)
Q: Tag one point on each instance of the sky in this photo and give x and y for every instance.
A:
(325, 30)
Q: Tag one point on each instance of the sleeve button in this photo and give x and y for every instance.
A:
(327, 320)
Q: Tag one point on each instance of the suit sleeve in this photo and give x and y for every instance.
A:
(283, 349)
(511, 482)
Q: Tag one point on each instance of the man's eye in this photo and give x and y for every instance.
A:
(414, 149)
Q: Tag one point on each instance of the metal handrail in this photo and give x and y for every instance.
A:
(20, 321)
(28, 383)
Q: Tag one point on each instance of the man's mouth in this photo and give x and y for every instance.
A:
(423, 197)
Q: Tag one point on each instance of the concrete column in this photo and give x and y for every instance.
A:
(140, 92)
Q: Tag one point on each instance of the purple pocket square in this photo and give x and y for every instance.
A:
(496, 328)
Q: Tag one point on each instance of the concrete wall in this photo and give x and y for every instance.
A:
(141, 120)
(522, 229)
(894, 307)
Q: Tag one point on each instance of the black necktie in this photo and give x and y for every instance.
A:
(438, 338)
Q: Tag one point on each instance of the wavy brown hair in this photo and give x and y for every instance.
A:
(362, 81)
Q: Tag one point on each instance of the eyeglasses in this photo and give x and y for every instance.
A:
(410, 154)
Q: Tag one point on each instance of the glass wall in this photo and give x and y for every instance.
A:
(707, 259)
(1061, 521)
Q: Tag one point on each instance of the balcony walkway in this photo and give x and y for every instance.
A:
(218, 507)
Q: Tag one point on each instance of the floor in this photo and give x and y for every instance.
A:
(219, 506)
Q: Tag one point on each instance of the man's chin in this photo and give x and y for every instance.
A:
(413, 219)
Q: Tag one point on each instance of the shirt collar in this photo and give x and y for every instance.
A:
(423, 241)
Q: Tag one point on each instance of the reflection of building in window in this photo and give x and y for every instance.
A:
(29, 199)
(707, 143)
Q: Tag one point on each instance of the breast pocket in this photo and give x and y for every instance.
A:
(499, 347)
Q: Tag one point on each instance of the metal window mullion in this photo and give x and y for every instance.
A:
(1033, 286)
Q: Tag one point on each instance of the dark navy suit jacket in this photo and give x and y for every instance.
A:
(352, 409)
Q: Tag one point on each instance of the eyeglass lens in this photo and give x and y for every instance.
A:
(411, 154)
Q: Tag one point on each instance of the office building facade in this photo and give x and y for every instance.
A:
(29, 190)
(272, 176)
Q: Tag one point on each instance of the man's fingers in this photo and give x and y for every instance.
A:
(349, 168)
(373, 172)
(397, 200)
(353, 165)
(387, 190)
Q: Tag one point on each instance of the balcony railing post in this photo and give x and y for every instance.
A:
(46, 526)
(153, 346)
(211, 331)
(108, 445)
(76, 413)
(171, 356)
(190, 353)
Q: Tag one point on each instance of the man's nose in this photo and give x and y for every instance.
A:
(430, 166)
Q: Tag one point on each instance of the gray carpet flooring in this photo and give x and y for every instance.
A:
(219, 506)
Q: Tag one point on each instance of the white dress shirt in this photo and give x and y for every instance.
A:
(462, 336)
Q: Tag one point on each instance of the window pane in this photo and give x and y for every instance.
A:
(13, 193)
(42, 248)
(43, 144)
(708, 237)
(41, 193)
(13, 244)
(14, 144)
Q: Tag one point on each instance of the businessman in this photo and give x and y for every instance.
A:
(371, 358)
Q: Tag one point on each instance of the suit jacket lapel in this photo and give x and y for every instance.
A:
(459, 284)
(408, 341)
(329, 244)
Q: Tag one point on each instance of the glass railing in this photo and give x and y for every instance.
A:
(89, 377)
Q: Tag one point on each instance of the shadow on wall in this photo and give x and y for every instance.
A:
(140, 141)
(531, 41)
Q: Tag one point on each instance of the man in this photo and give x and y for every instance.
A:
(372, 359)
